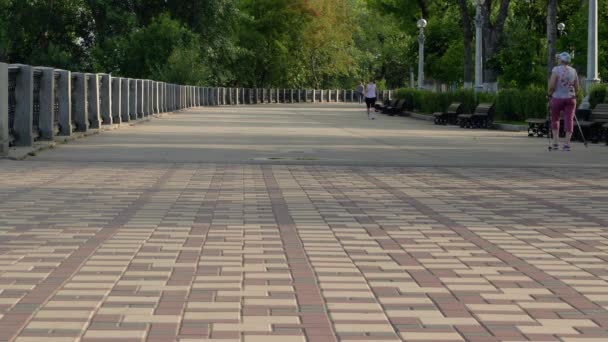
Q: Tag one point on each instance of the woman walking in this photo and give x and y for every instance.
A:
(370, 98)
(360, 89)
(563, 86)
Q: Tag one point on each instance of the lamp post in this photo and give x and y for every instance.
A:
(592, 75)
(478, 45)
(561, 27)
(421, 25)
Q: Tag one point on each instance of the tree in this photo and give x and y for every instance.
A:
(467, 33)
(52, 33)
(551, 33)
(493, 32)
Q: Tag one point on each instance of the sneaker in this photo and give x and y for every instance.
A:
(566, 147)
(554, 147)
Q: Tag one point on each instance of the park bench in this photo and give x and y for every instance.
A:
(379, 106)
(540, 127)
(395, 109)
(450, 115)
(594, 126)
(482, 117)
(537, 127)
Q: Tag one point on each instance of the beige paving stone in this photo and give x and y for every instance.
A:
(115, 334)
(497, 307)
(56, 325)
(337, 316)
(516, 318)
(363, 328)
(212, 316)
(46, 339)
(64, 314)
(214, 305)
(431, 336)
(273, 338)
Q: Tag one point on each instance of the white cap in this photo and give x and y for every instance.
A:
(564, 57)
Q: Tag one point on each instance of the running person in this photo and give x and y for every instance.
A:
(563, 86)
(370, 98)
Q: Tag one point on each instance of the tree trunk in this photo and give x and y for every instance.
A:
(468, 42)
(492, 36)
(551, 34)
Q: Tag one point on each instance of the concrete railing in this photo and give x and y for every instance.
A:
(39, 103)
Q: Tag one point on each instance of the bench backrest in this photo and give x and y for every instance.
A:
(600, 112)
(455, 108)
(485, 109)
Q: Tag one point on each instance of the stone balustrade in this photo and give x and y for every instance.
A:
(39, 103)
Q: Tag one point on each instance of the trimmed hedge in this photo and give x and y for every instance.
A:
(597, 94)
(511, 104)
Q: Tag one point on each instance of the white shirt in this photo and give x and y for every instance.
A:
(370, 90)
(566, 78)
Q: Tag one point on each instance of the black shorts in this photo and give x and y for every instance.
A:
(370, 101)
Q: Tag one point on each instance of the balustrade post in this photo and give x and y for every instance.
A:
(149, 98)
(81, 110)
(46, 104)
(24, 106)
(162, 98)
(116, 100)
(140, 99)
(154, 98)
(133, 96)
(93, 101)
(105, 99)
(4, 132)
(125, 100)
(171, 97)
(64, 96)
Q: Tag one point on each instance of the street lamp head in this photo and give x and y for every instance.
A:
(561, 27)
(421, 23)
(478, 2)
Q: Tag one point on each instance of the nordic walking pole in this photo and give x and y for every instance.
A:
(580, 130)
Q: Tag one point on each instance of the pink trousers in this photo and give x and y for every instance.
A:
(568, 106)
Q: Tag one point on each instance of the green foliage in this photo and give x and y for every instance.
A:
(523, 59)
(511, 104)
(288, 43)
(183, 67)
(51, 32)
(519, 105)
(597, 94)
(429, 102)
(4, 31)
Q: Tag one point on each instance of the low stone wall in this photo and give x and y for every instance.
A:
(39, 103)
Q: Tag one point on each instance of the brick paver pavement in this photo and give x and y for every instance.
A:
(163, 251)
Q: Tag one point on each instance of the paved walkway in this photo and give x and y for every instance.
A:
(356, 231)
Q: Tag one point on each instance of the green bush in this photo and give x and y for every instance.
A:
(597, 94)
(519, 105)
(511, 104)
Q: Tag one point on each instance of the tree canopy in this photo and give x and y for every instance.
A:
(295, 43)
